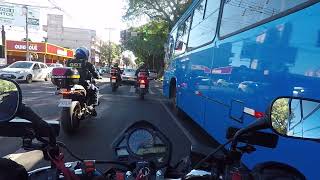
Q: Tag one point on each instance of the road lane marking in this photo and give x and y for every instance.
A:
(174, 118)
(103, 86)
(132, 89)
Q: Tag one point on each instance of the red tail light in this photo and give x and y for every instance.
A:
(113, 77)
(142, 81)
(258, 114)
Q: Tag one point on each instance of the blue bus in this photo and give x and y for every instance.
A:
(228, 59)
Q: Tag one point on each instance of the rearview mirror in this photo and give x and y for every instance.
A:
(10, 99)
(296, 117)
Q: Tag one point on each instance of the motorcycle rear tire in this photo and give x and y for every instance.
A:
(69, 121)
(114, 88)
(142, 96)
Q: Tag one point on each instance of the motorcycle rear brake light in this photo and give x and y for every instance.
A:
(113, 77)
(142, 81)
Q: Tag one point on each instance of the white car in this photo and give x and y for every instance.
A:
(153, 74)
(26, 71)
(128, 75)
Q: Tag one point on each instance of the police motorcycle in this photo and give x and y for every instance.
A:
(75, 104)
(143, 152)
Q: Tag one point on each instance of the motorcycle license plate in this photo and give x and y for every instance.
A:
(142, 86)
(65, 103)
(113, 80)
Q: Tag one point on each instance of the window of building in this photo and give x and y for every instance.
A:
(239, 14)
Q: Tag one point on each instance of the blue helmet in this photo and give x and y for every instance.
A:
(82, 53)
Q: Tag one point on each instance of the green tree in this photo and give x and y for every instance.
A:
(7, 86)
(148, 44)
(164, 10)
(280, 115)
(109, 53)
(126, 61)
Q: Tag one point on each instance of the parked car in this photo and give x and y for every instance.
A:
(26, 71)
(128, 75)
(153, 74)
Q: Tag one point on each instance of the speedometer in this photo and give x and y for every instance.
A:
(139, 140)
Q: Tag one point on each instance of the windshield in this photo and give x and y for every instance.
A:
(24, 65)
(129, 70)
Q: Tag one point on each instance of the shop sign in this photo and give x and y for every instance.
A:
(22, 46)
(62, 52)
(15, 15)
(32, 47)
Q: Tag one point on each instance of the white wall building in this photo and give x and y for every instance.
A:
(69, 37)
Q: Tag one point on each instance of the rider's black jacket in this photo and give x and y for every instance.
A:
(142, 69)
(85, 68)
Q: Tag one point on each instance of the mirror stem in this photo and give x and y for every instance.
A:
(261, 123)
(40, 126)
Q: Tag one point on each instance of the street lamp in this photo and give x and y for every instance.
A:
(27, 33)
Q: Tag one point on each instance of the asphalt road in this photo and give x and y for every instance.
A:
(117, 111)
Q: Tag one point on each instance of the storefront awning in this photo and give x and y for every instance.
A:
(39, 47)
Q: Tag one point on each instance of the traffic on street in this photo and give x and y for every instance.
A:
(161, 89)
(117, 111)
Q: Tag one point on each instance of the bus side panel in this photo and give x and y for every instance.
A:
(279, 58)
(196, 82)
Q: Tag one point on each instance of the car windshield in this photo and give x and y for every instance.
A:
(25, 65)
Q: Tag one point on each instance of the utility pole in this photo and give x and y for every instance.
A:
(110, 49)
(4, 46)
(109, 42)
(27, 34)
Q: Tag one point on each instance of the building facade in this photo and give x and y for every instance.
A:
(69, 37)
(39, 51)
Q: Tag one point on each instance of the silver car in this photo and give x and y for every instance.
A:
(128, 75)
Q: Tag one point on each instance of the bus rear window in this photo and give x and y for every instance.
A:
(239, 14)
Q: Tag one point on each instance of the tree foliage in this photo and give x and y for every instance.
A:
(110, 53)
(280, 115)
(5, 88)
(148, 45)
(164, 10)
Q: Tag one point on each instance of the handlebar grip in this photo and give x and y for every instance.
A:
(22, 128)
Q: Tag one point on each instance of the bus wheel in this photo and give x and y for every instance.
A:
(173, 97)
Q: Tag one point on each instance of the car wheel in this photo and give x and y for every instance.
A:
(29, 79)
(46, 78)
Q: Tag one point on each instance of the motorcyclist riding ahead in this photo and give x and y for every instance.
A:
(116, 67)
(87, 71)
(142, 68)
